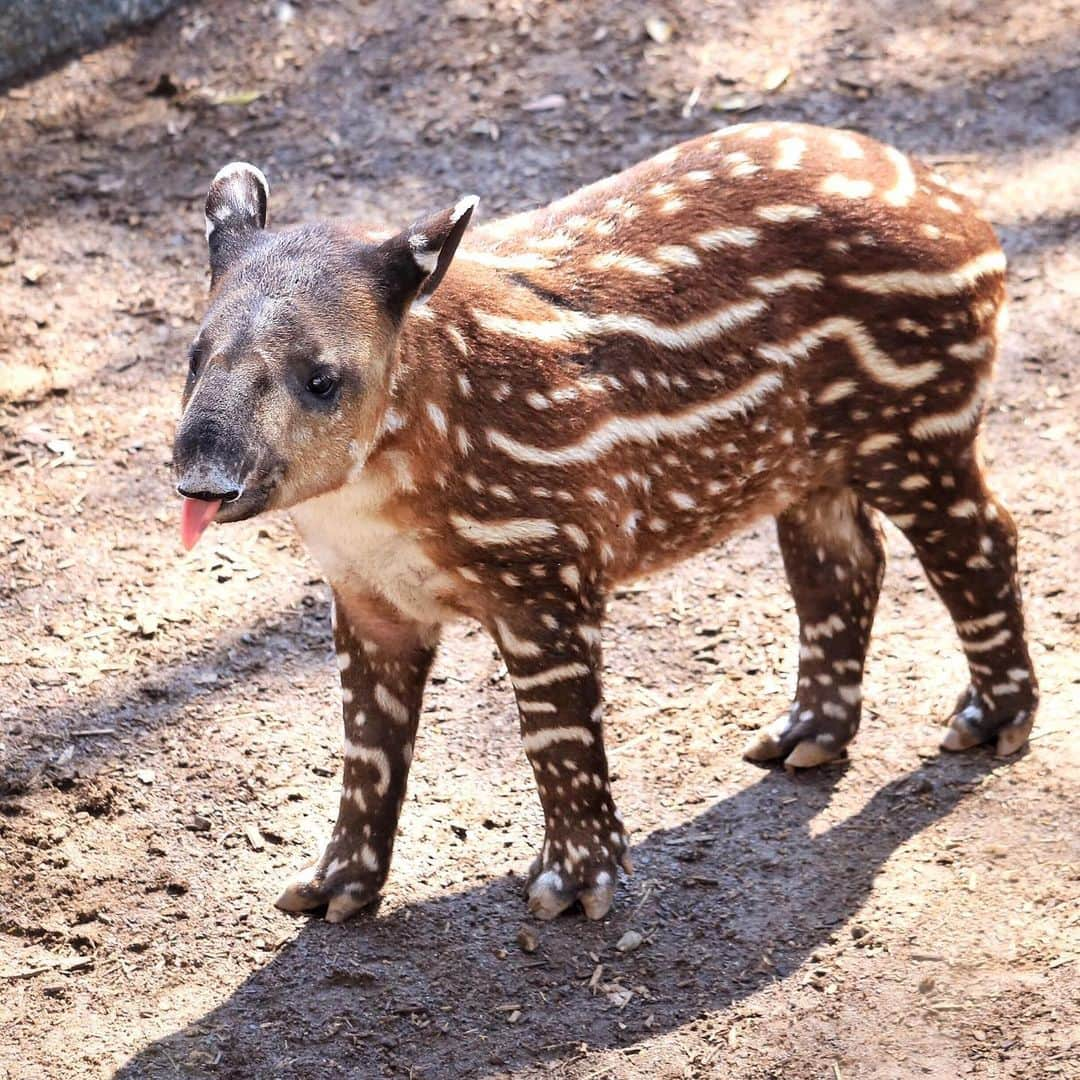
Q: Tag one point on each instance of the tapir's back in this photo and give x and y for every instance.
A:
(728, 213)
(759, 244)
(799, 305)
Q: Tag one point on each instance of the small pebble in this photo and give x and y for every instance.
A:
(527, 939)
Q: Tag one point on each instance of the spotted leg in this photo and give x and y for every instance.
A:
(835, 561)
(966, 542)
(554, 664)
(384, 660)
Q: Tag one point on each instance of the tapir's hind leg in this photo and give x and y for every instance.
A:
(835, 561)
(966, 542)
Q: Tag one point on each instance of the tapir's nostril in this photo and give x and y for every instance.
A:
(227, 495)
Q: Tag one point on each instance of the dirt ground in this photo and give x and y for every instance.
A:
(169, 732)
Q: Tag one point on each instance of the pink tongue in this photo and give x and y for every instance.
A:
(194, 518)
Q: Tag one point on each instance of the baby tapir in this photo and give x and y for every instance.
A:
(774, 319)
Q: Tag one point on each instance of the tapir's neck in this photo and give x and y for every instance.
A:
(441, 378)
(409, 464)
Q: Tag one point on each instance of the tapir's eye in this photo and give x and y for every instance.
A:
(322, 384)
(194, 358)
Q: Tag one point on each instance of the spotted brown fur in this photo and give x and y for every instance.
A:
(774, 319)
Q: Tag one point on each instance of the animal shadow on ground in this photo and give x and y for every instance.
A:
(733, 899)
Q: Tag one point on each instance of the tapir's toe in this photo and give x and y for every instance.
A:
(554, 891)
(328, 883)
(588, 876)
(973, 722)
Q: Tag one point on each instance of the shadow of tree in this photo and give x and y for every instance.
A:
(381, 71)
(382, 994)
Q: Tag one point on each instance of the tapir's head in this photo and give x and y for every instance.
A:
(290, 372)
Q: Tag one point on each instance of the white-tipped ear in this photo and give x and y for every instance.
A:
(434, 241)
(412, 263)
(465, 205)
(236, 207)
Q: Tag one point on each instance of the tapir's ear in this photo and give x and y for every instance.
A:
(416, 260)
(235, 213)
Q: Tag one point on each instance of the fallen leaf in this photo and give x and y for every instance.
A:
(775, 77)
(660, 30)
(240, 97)
(545, 104)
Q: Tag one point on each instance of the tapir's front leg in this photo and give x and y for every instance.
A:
(554, 662)
(384, 660)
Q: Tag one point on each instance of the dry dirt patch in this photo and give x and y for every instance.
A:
(169, 734)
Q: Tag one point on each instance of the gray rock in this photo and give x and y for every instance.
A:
(33, 31)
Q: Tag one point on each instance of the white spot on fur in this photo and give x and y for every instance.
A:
(989, 644)
(393, 707)
(958, 420)
(965, 508)
(559, 673)
(677, 255)
(537, 707)
(573, 326)
(437, 417)
(872, 444)
(874, 361)
(790, 279)
(578, 535)
(903, 190)
(984, 622)
(846, 187)
(791, 152)
(515, 646)
(541, 740)
(731, 236)
(780, 213)
(371, 755)
(931, 284)
(510, 531)
(644, 429)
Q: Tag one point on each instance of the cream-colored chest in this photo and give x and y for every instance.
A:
(361, 550)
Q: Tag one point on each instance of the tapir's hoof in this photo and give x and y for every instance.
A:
(553, 892)
(798, 741)
(327, 884)
(590, 881)
(970, 726)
